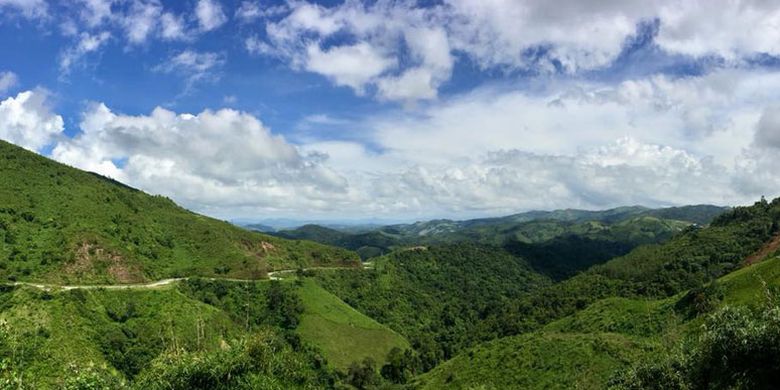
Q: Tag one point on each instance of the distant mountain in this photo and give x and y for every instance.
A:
(449, 230)
(556, 243)
(259, 227)
(60, 224)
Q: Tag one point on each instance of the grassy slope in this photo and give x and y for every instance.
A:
(446, 293)
(117, 328)
(62, 225)
(75, 328)
(587, 347)
(537, 361)
(341, 332)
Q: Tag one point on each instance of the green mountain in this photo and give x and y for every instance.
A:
(196, 334)
(557, 244)
(639, 343)
(720, 334)
(628, 298)
(62, 225)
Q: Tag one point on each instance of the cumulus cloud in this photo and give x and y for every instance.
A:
(768, 129)
(26, 120)
(731, 29)
(623, 172)
(8, 80)
(210, 15)
(353, 66)
(541, 37)
(385, 35)
(492, 151)
(216, 159)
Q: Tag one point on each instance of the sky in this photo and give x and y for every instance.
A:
(401, 110)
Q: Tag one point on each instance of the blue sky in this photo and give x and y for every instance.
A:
(400, 109)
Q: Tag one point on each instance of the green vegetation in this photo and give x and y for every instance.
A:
(442, 298)
(557, 244)
(722, 334)
(538, 361)
(342, 333)
(197, 335)
(525, 301)
(62, 225)
(319, 318)
(687, 261)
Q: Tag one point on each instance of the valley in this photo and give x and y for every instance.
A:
(107, 287)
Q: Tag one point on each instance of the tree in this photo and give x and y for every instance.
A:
(401, 365)
(363, 375)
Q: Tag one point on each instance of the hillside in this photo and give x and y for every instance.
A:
(631, 343)
(442, 298)
(126, 334)
(62, 225)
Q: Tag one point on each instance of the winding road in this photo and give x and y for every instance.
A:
(273, 275)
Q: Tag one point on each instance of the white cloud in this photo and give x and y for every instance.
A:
(172, 27)
(27, 121)
(250, 11)
(731, 29)
(96, 12)
(86, 44)
(193, 66)
(8, 80)
(656, 141)
(31, 9)
(543, 37)
(215, 160)
(210, 15)
(353, 66)
(385, 35)
(768, 129)
(141, 20)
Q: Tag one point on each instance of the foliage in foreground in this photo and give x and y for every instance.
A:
(738, 348)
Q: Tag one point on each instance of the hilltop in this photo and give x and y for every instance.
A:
(62, 225)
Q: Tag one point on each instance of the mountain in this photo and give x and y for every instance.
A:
(557, 243)
(367, 244)
(560, 222)
(602, 328)
(624, 298)
(718, 336)
(62, 225)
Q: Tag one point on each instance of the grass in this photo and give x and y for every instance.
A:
(543, 360)
(645, 318)
(341, 332)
